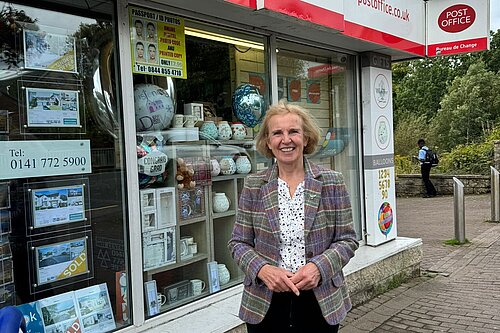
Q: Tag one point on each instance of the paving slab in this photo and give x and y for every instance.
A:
(459, 290)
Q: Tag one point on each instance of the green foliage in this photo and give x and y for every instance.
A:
(459, 97)
(492, 57)
(455, 242)
(469, 109)
(468, 159)
(407, 132)
(406, 165)
(422, 86)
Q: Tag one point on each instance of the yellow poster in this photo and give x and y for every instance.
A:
(157, 42)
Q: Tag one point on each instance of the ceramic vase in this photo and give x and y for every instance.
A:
(239, 131)
(214, 167)
(220, 203)
(208, 131)
(224, 275)
(224, 130)
(243, 164)
(227, 165)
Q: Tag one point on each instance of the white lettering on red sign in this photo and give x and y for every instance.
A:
(457, 18)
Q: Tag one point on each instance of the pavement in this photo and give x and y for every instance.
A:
(459, 288)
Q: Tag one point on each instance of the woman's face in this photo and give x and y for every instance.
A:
(151, 31)
(286, 138)
(138, 29)
(140, 51)
(152, 52)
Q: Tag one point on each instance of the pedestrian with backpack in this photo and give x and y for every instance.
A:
(427, 159)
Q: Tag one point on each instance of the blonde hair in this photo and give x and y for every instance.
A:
(309, 126)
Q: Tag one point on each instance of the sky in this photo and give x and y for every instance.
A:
(494, 15)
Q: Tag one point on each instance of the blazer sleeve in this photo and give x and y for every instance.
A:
(242, 242)
(343, 242)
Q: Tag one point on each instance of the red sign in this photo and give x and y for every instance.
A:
(258, 81)
(322, 70)
(294, 89)
(463, 46)
(456, 18)
(306, 11)
(245, 3)
(313, 92)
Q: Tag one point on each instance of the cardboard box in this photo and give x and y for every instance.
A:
(195, 109)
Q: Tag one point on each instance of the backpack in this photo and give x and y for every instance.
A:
(431, 157)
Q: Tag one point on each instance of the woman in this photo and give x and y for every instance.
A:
(293, 232)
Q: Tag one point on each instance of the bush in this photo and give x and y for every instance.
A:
(406, 165)
(468, 159)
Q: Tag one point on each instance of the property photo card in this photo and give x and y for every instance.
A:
(58, 205)
(52, 107)
(44, 50)
(60, 261)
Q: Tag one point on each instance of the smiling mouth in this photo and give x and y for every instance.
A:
(287, 149)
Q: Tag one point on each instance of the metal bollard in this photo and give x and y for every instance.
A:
(459, 210)
(495, 194)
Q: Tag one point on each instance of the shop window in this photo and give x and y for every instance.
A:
(323, 82)
(63, 236)
(194, 150)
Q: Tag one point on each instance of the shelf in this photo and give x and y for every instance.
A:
(246, 143)
(179, 263)
(193, 220)
(230, 212)
(233, 282)
(229, 177)
(186, 300)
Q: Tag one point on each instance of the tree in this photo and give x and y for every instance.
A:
(421, 88)
(410, 128)
(10, 26)
(492, 57)
(470, 108)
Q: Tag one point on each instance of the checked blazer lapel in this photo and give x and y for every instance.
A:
(312, 195)
(270, 199)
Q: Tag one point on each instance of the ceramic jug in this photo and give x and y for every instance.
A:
(224, 130)
(224, 275)
(208, 131)
(220, 203)
(239, 131)
(243, 164)
(227, 165)
(214, 167)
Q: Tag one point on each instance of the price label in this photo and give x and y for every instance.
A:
(23, 159)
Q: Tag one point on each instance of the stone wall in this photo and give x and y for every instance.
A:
(412, 185)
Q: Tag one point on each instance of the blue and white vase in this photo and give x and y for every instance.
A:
(224, 130)
(224, 275)
(243, 164)
(214, 167)
(208, 131)
(227, 165)
(239, 131)
(220, 202)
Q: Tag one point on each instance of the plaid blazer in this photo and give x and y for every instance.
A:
(330, 238)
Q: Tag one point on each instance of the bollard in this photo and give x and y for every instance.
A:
(495, 194)
(459, 210)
